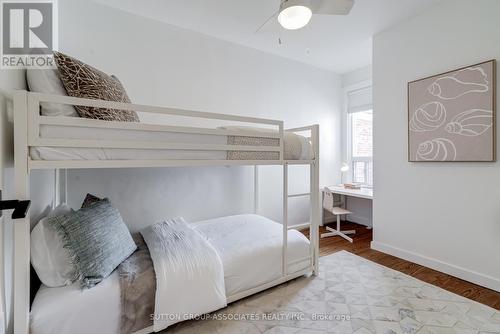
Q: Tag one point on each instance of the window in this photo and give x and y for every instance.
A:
(360, 135)
(362, 148)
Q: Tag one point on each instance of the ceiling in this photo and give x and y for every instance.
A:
(336, 43)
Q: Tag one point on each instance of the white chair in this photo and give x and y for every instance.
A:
(328, 204)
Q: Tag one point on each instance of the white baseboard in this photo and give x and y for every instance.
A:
(359, 220)
(350, 218)
(300, 227)
(448, 268)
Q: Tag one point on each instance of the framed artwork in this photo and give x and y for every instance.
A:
(451, 116)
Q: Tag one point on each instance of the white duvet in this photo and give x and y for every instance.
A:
(189, 273)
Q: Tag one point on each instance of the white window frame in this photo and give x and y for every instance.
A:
(347, 134)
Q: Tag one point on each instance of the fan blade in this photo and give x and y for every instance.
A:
(268, 22)
(331, 7)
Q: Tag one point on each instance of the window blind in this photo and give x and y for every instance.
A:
(359, 100)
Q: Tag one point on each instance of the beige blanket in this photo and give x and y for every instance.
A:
(252, 141)
(296, 147)
(137, 289)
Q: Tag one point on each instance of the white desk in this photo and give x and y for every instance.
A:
(360, 193)
(365, 193)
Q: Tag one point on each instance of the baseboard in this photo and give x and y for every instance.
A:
(359, 220)
(300, 227)
(329, 220)
(350, 219)
(450, 269)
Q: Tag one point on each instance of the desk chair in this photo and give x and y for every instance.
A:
(329, 205)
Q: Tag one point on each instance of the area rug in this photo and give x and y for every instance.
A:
(351, 295)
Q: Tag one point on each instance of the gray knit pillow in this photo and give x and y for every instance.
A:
(97, 241)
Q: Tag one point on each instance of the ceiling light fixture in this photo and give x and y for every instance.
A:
(294, 14)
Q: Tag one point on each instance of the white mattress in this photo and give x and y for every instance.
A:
(250, 249)
(293, 151)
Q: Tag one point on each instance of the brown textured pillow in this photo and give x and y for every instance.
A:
(82, 80)
(89, 200)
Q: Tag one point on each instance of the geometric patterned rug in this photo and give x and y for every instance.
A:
(351, 295)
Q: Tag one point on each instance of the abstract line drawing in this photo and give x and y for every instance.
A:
(428, 117)
(438, 149)
(471, 123)
(466, 81)
(451, 115)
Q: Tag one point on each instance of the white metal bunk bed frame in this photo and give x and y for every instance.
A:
(27, 122)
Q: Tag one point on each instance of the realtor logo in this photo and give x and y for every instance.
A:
(28, 33)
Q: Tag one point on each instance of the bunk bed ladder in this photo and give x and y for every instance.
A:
(313, 214)
(315, 206)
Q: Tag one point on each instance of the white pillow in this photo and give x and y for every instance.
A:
(48, 256)
(48, 82)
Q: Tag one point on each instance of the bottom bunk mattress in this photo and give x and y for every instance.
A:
(248, 245)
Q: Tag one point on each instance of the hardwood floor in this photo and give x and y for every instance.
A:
(361, 247)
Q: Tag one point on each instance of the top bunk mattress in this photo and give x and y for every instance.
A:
(296, 147)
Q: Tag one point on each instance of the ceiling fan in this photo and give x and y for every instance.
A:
(296, 14)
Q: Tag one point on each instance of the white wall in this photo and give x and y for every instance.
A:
(443, 215)
(361, 208)
(355, 77)
(165, 65)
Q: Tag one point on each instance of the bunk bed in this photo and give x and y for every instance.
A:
(61, 143)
